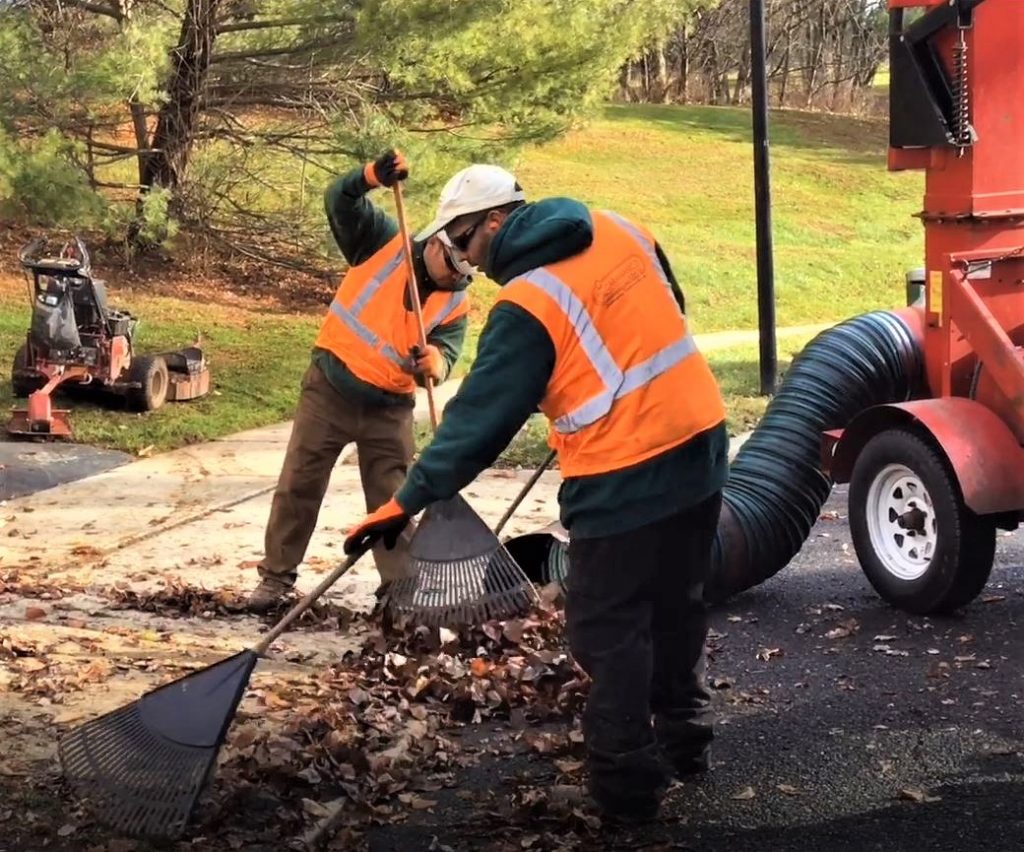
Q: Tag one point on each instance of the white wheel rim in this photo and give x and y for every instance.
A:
(901, 522)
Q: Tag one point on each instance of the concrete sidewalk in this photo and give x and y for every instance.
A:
(201, 510)
(147, 498)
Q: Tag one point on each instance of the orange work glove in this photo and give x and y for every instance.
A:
(428, 362)
(385, 524)
(387, 169)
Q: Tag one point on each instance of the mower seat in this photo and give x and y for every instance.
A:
(99, 288)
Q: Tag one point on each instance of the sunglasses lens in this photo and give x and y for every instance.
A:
(461, 242)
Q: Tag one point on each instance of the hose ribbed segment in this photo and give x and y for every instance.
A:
(776, 488)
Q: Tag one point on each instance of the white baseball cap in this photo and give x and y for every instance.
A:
(477, 187)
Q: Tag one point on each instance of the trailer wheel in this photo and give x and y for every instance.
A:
(22, 385)
(150, 371)
(920, 546)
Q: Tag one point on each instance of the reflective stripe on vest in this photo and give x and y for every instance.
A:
(350, 316)
(454, 300)
(374, 284)
(617, 383)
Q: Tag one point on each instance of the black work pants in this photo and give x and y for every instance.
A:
(637, 625)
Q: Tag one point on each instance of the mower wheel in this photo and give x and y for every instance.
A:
(150, 371)
(22, 385)
(921, 547)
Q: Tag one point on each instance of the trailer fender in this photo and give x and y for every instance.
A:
(982, 451)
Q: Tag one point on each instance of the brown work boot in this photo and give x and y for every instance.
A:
(267, 595)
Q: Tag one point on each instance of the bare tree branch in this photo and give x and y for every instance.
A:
(243, 26)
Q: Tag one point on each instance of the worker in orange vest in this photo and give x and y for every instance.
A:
(360, 386)
(590, 326)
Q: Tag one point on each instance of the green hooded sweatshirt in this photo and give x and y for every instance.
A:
(508, 380)
(361, 230)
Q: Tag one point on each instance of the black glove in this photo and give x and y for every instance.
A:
(387, 169)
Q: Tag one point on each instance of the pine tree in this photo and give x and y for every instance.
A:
(230, 115)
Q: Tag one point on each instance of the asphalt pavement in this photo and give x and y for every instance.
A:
(27, 466)
(843, 724)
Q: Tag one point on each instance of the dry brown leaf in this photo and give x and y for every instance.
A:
(96, 672)
(767, 653)
(34, 613)
(275, 701)
(912, 794)
(315, 809)
(788, 789)
(67, 715)
(744, 795)
(845, 629)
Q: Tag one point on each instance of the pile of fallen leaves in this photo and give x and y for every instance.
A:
(177, 598)
(14, 585)
(377, 736)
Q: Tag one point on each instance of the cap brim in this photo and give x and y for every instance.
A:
(431, 229)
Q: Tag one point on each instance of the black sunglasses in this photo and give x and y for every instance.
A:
(461, 242)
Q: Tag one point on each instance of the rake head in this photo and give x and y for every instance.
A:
(142, 768)
(461, 573)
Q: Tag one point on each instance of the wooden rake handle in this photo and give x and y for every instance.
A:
(414, 297)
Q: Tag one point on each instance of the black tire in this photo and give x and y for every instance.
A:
(21, 385)
(963, 543)
(150, 371)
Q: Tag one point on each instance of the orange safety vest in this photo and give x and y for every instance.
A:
(628, 382)
(368, 327)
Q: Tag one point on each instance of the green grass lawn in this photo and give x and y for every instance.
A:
(843, 226)
(844, 235)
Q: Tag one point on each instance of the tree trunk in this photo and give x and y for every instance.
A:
(784, 80)
(742, 77)
(684, 65)
(661, 74)
(176, 122)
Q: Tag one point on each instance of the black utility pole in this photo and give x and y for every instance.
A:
(763, 202)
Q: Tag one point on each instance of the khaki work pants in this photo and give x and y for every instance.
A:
(325, 423)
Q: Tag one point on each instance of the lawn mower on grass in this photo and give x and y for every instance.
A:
(74, 337)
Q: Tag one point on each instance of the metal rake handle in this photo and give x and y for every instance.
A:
(305, 603)
(522, 494)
